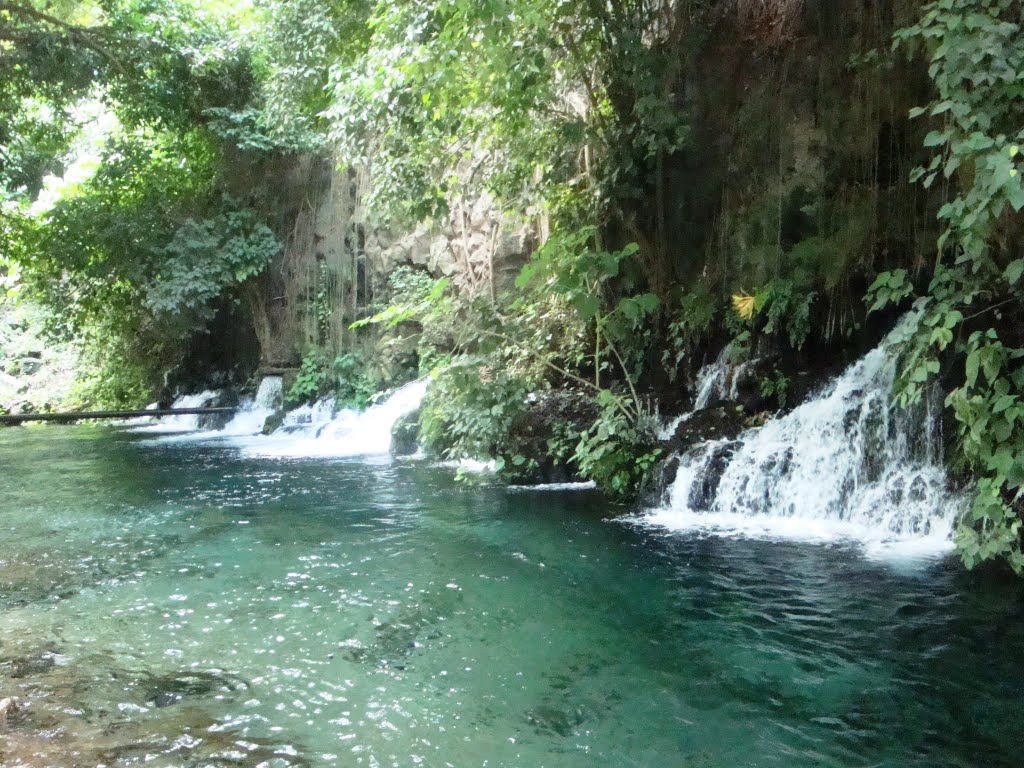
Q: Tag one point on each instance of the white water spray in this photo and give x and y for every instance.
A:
(253, 413)
(847, 465)
(182, 423)
(315, 431)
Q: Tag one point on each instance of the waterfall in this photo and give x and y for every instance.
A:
(847, 465)
(270, 394)
(310, 418)
(310, 430)
(715, 381)
(711, 380)
(315, 431)
(253, 412)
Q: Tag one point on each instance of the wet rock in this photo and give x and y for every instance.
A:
(554, 720)
(225, 398)
(274, 422)
(723, 421)
(705, 488)
(20, 407)
(405, 435)
(29, 365)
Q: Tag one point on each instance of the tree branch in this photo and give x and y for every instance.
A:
(76, 34)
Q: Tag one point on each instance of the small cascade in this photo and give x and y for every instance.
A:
(318, 431)
(310, 418)
(712, 379)
(270, 393)
(183, 423)
(253, 413)
(847, 465)
(715, 381)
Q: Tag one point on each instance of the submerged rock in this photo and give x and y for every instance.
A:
(31, 665)
(8, 708)
(166, 690)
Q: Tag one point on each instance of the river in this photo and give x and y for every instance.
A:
(191, 604)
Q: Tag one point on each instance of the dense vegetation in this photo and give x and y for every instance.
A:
(783, 175)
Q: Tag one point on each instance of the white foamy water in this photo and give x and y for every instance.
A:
(308, 432)
(249, 419)
(253, 413)
(849, 465)
(183, 423)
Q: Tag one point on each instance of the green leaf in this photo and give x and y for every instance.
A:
(972, 367)
(648, 302)
(1015, 192)
(588, 306)
(1014, 271)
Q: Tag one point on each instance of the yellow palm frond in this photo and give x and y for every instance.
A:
(744, 305)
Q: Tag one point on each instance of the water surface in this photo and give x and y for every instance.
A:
(184, 605)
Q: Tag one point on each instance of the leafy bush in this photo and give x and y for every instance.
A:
(775, 385)
(205, 258)
(344, 377)
(618, 451)
(312, 381)
(964, 325)
(469, 410)
(690, 323)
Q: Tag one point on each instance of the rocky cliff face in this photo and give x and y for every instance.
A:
(337, 254)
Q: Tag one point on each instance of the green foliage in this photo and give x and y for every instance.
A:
(780, 307)
(775, 385)
(977, 65)
(618, 451)
(414, 297)
(300, 42)
(452, 98)
(889, 288)
(786, 310)
(435, 80)
(597, 285)
(344, 377)
(114, 371)
(419, 306)
(689, 325)
(205, 258)
(469, 410)
(143, 101)
(312, 381)
(976, 50)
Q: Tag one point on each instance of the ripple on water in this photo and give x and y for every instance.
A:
(182, 605)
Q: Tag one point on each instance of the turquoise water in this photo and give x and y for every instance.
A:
(179, 605)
